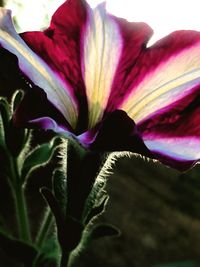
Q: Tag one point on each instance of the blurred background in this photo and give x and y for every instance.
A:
(156, 208)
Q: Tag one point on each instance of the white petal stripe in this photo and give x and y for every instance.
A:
(182, 148)
(102, 49)
(36, 69)
(169, 82)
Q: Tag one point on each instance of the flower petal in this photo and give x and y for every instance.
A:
(111, 47)
(167, 72)
(45, 123)
(36, 69)
(134, 38)
(93, 51)
(175, 148)
(102, 45)
(59, 47)
(173, 133)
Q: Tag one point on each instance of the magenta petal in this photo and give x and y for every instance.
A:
(134, 37)
(180, 119)
(163, 74)
(173, 133)
(38, 72)
(60, 47)
(69, 42)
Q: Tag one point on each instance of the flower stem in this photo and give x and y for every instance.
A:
(65, 259)
(20, 201)
(44, 229)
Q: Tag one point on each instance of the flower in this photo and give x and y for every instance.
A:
(93, 76)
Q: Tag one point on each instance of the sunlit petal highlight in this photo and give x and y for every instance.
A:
(102, 46)
(36, 69)
(168, 82)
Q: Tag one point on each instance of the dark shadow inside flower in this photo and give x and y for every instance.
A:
(11, 77)
(118, 132)
(35, 111)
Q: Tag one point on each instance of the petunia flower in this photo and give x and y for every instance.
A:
(93, 76)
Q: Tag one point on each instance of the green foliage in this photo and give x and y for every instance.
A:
(60, 189)
(16, 99)
(76, 198)
(2, 136)
(17, 249)
(4, 119)
(98, 209)
(5, 112)
(12, 138)
(49, 253)
(21, 160)
(37, 157)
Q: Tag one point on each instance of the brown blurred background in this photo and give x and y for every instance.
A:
(158, 212)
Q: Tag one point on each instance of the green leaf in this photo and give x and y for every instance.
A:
(60, 189)
(53, 204)
(95, 197)
(69, 230)
(15, 138)
(78, 172)
(49, 254)
(16, 249)
(98, 209)
(39, 156)
(5, 112)
(4, 119)
(103, 230)
(16, 99)
(2, 136)
(11, 137)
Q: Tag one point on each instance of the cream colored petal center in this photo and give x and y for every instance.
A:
(102, 50)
